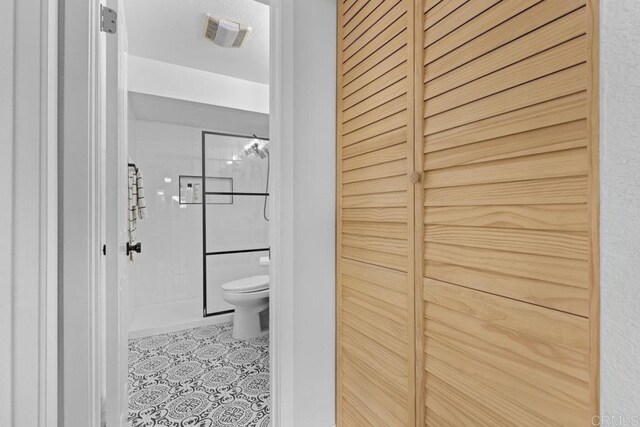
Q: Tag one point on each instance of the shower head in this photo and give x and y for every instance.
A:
(257, 147)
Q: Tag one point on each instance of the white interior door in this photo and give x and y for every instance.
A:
(117, 299)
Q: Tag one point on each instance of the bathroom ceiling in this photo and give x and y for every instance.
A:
(171, 31)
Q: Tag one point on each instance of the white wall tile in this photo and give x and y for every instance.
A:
(170, 266)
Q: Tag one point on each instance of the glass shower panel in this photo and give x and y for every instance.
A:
(236, 183)
(225, 268)
(238, 226)
(237, 158)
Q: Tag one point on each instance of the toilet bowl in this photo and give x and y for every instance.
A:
(250, 296)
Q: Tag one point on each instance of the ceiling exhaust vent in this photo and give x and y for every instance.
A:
(225, 33)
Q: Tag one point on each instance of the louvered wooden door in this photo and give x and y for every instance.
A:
(467, 292)
(375, 297)
(510, 198)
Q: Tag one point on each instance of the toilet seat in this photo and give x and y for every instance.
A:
(247, 284)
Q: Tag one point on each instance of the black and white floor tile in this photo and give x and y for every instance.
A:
(200, 377)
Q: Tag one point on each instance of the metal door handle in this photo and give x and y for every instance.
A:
(134, 248)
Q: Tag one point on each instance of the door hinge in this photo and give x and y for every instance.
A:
(108, 20)
(104, 249)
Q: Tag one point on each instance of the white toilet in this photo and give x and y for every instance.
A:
(250, 296)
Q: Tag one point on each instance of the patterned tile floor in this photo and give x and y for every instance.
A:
(200, 377)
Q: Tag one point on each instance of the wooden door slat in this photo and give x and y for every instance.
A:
(564, 271)
(501, 386)
(456, 20)
(491, 17)
(559, 297)
(378, 142)
(503, 33)
(371, 75)
(555, 33)
(550, 243)
(553, 356)
(543, 140)
(376, 215)
(547, 325)
(373, 39)
(539, 192)
(543, 64)
(369, 61)
(368, 16)
(378, 81)
(550, 113)
(393, 153)
(387, 230)
(387, 94)
(380, 170)
(558, 164)
(440, 11)
(562, 83)
(531, 217)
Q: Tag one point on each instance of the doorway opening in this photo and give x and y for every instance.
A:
(196, 144)
(300, 205)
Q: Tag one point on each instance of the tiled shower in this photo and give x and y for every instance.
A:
(167, 278)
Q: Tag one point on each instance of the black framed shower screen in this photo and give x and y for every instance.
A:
(205, 253)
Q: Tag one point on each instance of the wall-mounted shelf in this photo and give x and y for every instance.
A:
(190, 190)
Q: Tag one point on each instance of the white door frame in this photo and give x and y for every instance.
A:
(116, 303)
(82, 136)
(281, 308)
(29, 213)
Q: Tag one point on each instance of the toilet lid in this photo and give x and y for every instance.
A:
(248, 284)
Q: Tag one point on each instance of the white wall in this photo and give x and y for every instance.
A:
(314, 209)
(170, 110)
(28, 213)
(620, 207)
(303, 106)
(162, 79)
(7, 96)
(170, 266)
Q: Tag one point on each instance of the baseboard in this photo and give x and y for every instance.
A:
(205, 321)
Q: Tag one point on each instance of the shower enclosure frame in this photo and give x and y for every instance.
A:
(205, 193)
